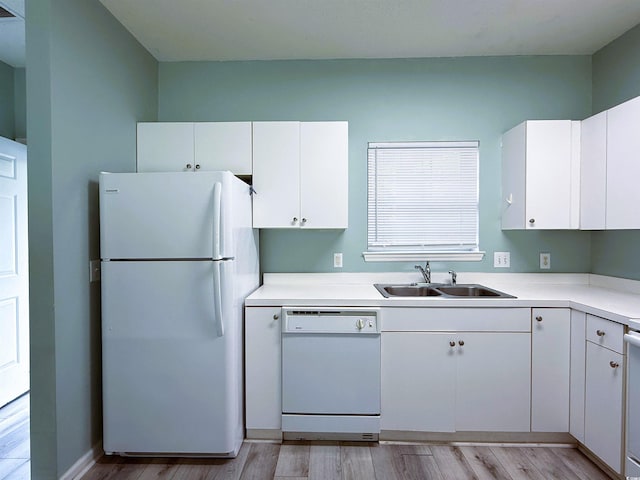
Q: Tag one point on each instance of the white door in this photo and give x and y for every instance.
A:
(418, 381)
(324, 174)
(548, 176)
(551, 335)
(165, 147)
(223, 146)
(14, 275)
(493, 369)
(276, 174)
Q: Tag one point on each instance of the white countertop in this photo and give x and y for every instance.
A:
(612, 298)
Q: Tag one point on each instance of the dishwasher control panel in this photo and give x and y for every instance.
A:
(330, 320)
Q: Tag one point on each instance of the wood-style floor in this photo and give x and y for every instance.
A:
(357, 461)
(14, 440)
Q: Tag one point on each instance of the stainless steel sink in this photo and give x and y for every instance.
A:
(408, 291)
(439, 290)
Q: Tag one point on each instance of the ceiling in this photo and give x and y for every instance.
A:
(318, 29)
(196, 30)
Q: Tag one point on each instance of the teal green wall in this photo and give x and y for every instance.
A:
(616, 78)
(20, 102)
(89, 82)
(386, 100)
(7, 116)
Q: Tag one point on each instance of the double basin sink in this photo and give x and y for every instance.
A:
(439, 290)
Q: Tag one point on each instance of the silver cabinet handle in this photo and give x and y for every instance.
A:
(600, 333)
(304, 220)
(539, 318)
(532, 221)
(197, 166)
(295, 219)
(188, 166)
(452, 343)
(613, 364)
(461, 342)
(276, 316)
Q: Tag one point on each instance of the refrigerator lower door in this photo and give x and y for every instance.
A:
(171, 384)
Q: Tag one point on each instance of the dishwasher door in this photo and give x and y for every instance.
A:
(330, 364)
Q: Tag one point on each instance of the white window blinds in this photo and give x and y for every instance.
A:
(423, 196)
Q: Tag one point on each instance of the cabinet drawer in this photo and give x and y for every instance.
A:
(457, 319)
(605, 333)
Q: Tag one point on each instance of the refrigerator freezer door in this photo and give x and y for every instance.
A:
(171, 385)
(166, 215)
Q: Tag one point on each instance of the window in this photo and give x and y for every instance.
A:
(423, 201)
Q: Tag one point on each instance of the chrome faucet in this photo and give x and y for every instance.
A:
(426, 272)
(454, 277)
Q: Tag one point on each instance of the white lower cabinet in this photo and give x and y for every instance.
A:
(455, 380)
(603, 420)
(550, 358)
(262, 372)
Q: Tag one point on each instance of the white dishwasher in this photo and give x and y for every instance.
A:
(330, 373)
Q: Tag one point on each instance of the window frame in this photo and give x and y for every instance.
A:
(401, 254)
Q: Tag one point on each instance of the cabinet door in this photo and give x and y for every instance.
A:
(493, 382)
(548, 174)
(418, 382)
(623, 165)
(276, 174)
(324, 174)
(593, 172)
(603, 405)
(576, 384)
(262, 369)
(223, 146)
(165, 147)
(550, 331)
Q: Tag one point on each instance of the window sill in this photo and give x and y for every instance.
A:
(423, 256)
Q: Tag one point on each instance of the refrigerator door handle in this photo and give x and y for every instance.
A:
(217, 214)
(217, 299)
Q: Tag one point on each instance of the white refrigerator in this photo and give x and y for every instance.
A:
(178, 257)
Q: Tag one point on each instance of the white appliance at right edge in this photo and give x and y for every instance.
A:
(179, 256)
(632, 339)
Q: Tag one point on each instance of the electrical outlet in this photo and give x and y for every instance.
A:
(501, 259)
(337, 260)
(545, 261)
(94, 271)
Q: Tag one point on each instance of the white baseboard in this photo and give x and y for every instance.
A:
(84, 463)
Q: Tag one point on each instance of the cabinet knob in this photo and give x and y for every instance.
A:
(539, 318)
(600, 333)
(197, 166)
(532, 221)
(276, 316)
(295, 219)
(304, 220)
(461, 342)
(452, 343)
(613, 364)
(188, 165)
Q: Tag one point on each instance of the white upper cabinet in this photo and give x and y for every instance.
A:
(541, 175)
(165, 147)
(300, 174)
(623, 166)
(223, 146)
(593, 172)
(187, 146)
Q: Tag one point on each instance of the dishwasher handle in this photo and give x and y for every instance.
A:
(632, 338)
